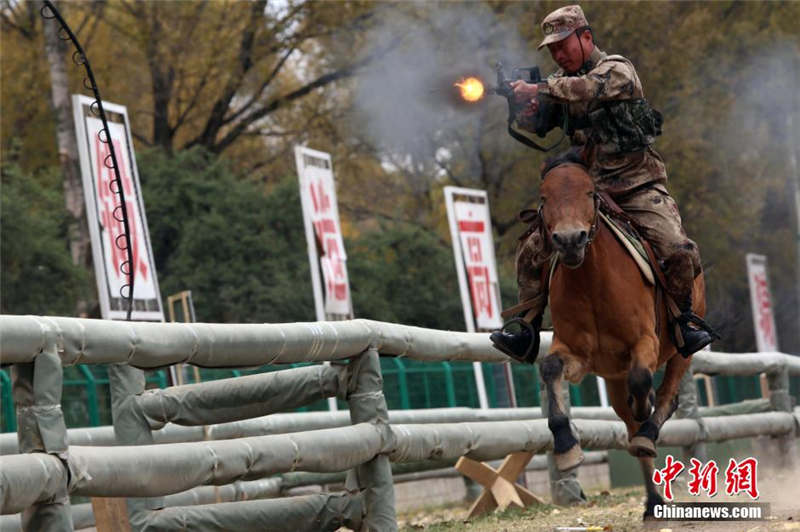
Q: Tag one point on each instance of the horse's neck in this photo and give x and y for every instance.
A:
(595, 270)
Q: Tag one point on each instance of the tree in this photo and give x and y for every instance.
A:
(38, 275)
(402, 273)
(219, 72)
(240, 251)
(78, 233)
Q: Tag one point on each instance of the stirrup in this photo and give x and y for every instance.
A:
(702, 329)
(687, 317)
(531, 353)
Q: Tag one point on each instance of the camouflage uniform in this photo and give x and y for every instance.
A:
(613, 126)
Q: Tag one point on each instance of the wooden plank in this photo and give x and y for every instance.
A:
(528, 497)
(500, 489)
(110, 514)
(482, 505)
(514, 464)
(505, 494)
(480, 472)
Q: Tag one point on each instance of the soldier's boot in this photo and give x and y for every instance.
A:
(695, 333)
(521, 344)
(519, 336)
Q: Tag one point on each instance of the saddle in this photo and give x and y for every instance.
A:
(624, 228)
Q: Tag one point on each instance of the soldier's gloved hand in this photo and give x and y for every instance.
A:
(523, 91)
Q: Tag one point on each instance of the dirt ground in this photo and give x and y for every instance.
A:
(619, 509)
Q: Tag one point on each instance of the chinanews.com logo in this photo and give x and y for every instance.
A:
(739, 477)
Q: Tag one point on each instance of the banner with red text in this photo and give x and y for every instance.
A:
(323, 232)
(761, 302)
(471, 227)
(103, 215)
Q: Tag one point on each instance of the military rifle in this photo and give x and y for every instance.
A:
(503, 88)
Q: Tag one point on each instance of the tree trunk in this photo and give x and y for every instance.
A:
(78, 229)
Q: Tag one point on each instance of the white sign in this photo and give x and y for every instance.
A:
(761, 301)
(477, 248)
(471, 227)
(473, 249)
(323, 232)
(104, 215)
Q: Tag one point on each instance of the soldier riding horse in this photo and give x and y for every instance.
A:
(607, 319)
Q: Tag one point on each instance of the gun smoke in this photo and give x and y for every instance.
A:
(753, 147)
(406, 102)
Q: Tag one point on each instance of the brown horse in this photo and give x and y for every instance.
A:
(605, 322)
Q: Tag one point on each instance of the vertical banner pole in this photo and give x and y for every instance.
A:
(602, 392)
(313, 257)
(94, 147)
(761, 302)
(466, 303)
(763, 317)
(324, 238)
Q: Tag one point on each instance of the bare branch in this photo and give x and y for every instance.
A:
(142, 139)
(261, 89)
(26, 32)
(221, 106)
(321, 81)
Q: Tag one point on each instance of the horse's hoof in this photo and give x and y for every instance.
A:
(642, 446)
(653, 499)
(570, 459)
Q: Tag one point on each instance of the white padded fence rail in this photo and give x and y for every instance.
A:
(302, 421)
(153, 345)
(171, 468)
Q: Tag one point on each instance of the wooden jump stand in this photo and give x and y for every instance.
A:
(500, 487)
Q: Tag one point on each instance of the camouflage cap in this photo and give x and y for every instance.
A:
(561, 23)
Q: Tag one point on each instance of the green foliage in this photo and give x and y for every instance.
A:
(403, 273)
(37, 276)
(240, 251)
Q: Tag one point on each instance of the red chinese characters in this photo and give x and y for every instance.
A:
(764, 308)
(741, 477)
(477, 256)
(704, 478)
(478, 273)
(333, 256)
(672, 468)
(109, 200)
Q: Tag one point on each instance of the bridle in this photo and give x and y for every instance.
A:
(595, 215)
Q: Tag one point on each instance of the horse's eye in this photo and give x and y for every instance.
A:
(590, 193)
(542, 199)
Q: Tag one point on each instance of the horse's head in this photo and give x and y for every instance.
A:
(569, 211)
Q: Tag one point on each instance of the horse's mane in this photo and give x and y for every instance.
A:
(571, 156)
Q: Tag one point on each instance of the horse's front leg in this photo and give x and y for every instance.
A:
(566, 447)
(644, 358)
(643, 442)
